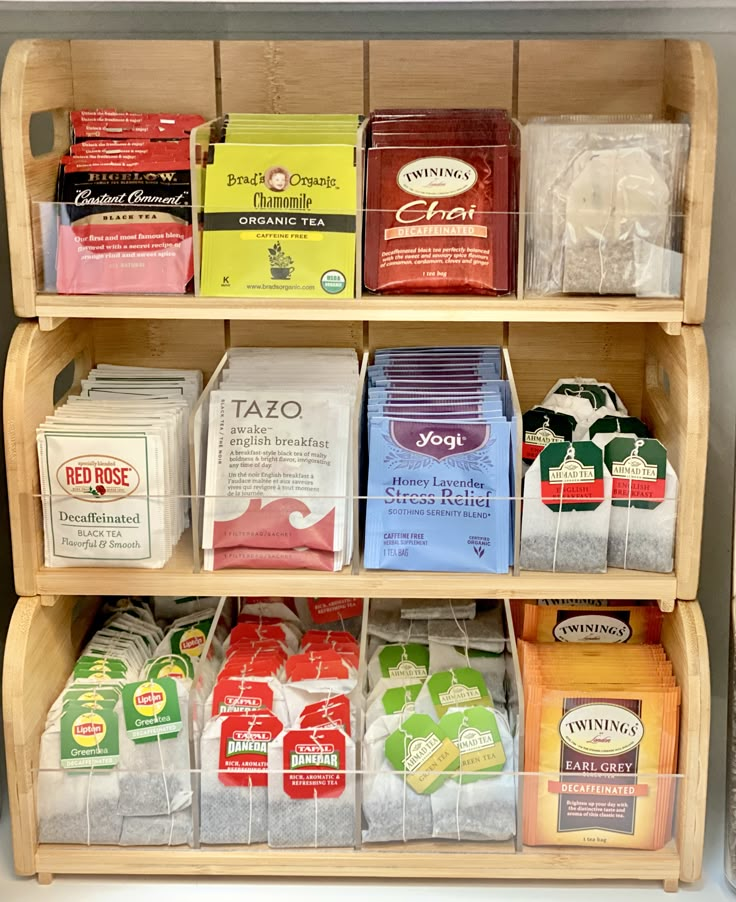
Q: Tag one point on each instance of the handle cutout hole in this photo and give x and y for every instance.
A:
(41, 133)
(64, 382)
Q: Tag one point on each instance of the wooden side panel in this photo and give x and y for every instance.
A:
(37, 78)
(601, 77)
(35, 359)
(542, 353)
(296, 334)
(418, 334)
(441, 74)
(43, 642)
(690, 88)
(684, 637)
(292, 76)
(675, 406)
(174, 343)
(145, 76)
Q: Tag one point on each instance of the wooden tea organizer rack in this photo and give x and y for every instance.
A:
(652, 350)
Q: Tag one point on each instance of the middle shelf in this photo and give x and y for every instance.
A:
(662, 378)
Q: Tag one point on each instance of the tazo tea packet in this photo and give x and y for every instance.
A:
(644, 504)
(567, 507)
(582, 623)
(280, 209)
(311, 789)
(234, 780)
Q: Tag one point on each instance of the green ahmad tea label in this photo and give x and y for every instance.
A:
(462, 687)
(151, 708)
(475, 733)
(631, 425)
(422, 750)
(279, 221)
(595, 394)
(542, 427)
(572, 476)
(404, 661)
(89, 737)
(400, 699)
(180, 667)
(639, 471)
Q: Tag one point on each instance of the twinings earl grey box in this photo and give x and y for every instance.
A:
(280, 205)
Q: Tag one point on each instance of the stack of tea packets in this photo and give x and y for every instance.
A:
(114, 468)
(440, 478)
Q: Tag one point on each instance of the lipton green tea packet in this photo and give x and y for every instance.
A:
(421, 750)
(280, 218)
(89, 737)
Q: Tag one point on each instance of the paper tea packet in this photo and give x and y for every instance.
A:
(280, 204)
(567, 508)
(279, 480)
(567, 622)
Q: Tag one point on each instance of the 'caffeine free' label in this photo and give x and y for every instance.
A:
(151, 709)
(422, 751)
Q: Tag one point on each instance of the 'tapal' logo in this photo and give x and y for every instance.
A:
(601, 730)
(149, 699)
(88, 730)
(97, 478)
(436, 177)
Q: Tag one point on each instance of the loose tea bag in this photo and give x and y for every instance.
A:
(392, 810)
(567, 507)
(385, 622)
(644, 504)
(391, 697)
(437, 609)
(484, 633)
(464, 687)
(480, 802)
(311, 789)
(490, 664)
(398, 662)
(160, 830)
(331, 613)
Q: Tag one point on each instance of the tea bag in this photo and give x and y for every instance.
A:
(478, 805)
(392, 811)
(484, 633)
(491, 664)
(398, 662)
(388, 697)
(75, 808)
(312, 808)
(307, 692)
(449, 690)
(566, 513)
(160, 830)
(437, 609)
(386, 622)
(331, 614)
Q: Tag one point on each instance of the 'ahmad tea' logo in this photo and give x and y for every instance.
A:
(473, 740)
(407, 669)
(543, 436)
(459, 695)
(635, 467)
(436, 177)
(98, 478)
(149, 699)
(601, 730)
(420, 750)
(592, 628)
(571, 470)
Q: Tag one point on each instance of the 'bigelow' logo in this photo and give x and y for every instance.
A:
(601, 730)
(436, 177)
(97, 478)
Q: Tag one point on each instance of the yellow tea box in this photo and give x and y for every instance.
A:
(583, 624)
(602, 761)
(280, 214)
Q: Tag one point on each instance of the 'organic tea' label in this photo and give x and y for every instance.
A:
(312, 763)
(475, 733)
(572, 476)
(463, 687)
(89, 738)
(639, 471)
(151, 709)
(404, 661)
(423, 752)
(244, 741)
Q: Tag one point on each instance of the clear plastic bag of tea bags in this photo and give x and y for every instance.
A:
(567, 509)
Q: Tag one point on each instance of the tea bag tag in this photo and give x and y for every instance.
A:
(639, 470)
(421, 751)
(476, 734)
(572, 477)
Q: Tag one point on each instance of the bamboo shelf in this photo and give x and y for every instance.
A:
(672, 78)
(44, 639)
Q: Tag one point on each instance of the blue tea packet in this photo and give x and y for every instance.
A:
(438, 495)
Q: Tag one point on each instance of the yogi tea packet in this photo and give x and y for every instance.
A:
(441, 188)
(280, 202)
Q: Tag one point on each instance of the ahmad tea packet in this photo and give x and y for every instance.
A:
(280, 206)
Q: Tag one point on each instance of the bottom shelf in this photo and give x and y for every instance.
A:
(463, 861)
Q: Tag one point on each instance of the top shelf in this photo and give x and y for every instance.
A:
(662, 78)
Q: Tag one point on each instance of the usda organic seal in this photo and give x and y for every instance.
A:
(333, 281)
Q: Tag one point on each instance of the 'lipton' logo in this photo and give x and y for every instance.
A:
(97, 478)
(601, 730)
(437, 440)
(89, 730)
(436, 177)
(192, 642)
(149, 699)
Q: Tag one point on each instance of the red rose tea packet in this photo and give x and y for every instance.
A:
(440, 197)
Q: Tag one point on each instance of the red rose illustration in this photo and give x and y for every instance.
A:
(101, 490)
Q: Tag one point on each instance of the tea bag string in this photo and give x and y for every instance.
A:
(463, 630)
(254, 720)
(403, 797)
(89, 788)
(635, 453)
(314, 794)
(570, 454)
(460, 784)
